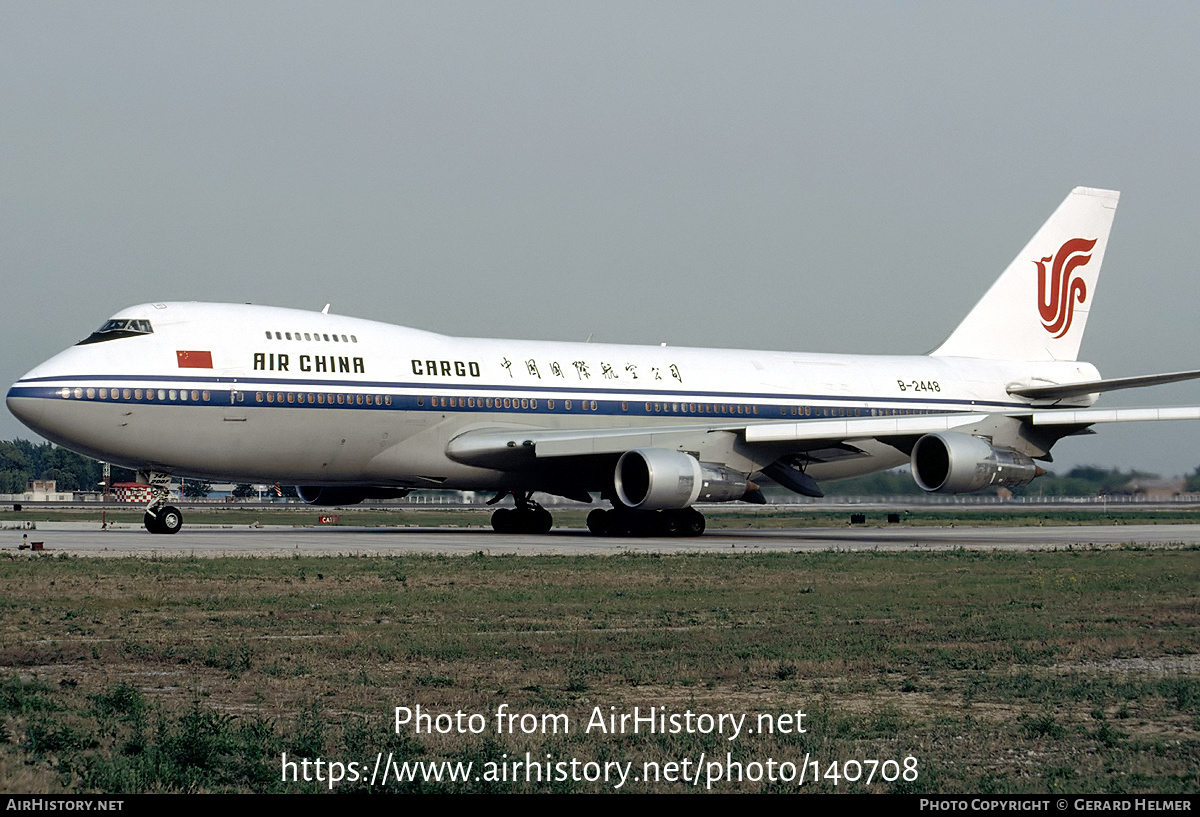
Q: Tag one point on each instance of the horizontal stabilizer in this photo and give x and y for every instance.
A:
(1096, 386)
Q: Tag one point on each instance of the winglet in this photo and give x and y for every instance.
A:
(1037, 309)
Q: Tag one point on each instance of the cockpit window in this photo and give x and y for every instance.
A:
(118, 328)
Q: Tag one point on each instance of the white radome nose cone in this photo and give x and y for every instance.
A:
(26, 409)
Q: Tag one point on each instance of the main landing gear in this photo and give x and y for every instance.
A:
(527, 517)
(621, 521)
(160, 517)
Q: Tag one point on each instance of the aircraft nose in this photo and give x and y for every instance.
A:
(26, 409)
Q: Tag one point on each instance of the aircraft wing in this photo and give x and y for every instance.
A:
(505, 447)
(508, 447)
(884, 427)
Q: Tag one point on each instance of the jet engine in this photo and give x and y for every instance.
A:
(953, 463)
(329, 495)
(655, 479)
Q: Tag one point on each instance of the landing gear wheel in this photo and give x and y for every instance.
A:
(150, 522)
(542, 521)
(502, 520)
(528, 517)
(168, 520)
(668, 523)
(628, 522)
(693, 523)
(632, 522)
(598, 522)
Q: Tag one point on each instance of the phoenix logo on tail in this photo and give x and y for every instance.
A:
(1057, 301)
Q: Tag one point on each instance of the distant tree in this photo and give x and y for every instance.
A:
(1193, 481)
(120, 474)
(195, 489)
(22, 461)
(1084, 480)
(243, 490)
(70, 471)
(897, 482)
(15, 469)
(1090, 473)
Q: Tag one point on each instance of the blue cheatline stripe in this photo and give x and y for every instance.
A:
(489, 390)
(559, 406)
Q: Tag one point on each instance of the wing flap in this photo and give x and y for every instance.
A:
(1085, 417)
(858, 427)
(507, 447)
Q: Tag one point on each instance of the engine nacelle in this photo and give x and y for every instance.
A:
(953, 463)
(655, 479)
(329, 495)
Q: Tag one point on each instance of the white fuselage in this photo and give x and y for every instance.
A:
(264, 394)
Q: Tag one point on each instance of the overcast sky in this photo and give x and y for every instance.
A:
(830, 177)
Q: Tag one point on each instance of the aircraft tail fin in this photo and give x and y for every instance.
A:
(1037, 309)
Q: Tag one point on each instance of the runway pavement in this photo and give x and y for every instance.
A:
(84, 539)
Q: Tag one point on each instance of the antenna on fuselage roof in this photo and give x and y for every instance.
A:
(325, 311)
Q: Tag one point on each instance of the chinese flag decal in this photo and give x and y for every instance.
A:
(194, 360)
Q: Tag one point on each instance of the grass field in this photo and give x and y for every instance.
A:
(1073, 671)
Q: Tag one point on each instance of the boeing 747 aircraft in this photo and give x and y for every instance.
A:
(352, 409)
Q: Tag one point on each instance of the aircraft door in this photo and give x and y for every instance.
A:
(235, 410)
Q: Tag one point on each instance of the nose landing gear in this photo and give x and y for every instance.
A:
(160, 517)
(169, 519)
